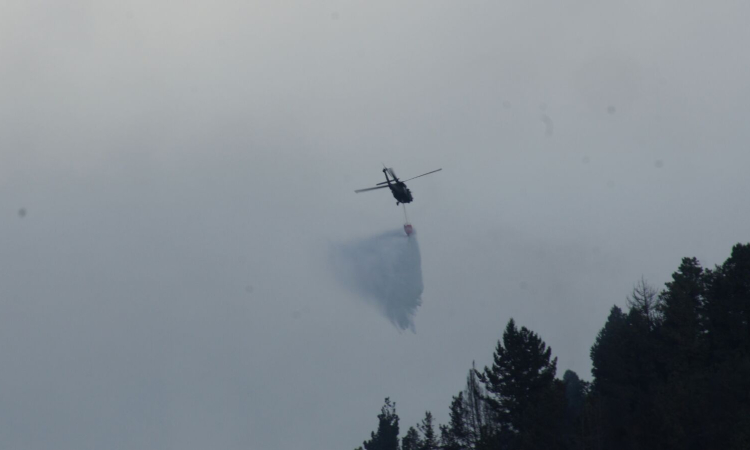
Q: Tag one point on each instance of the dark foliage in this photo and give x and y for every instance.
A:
(386, 438)
(429, 440)
(469, 417)
(411, 441)
(522, 397)
(670, 372)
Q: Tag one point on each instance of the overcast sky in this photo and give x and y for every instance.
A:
(173, 175)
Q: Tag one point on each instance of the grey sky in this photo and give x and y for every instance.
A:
(185, 167)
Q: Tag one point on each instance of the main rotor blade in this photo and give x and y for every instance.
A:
(393, 175)
(370, 189)
(424, 174)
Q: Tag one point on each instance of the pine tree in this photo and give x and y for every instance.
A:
(628, 371)
(606, 369)
(613, 380)
(575, 394)
(476, 410)
(454, 436)
(727, 306)
(386, 438)
(467, 428)
(411, 441)
(683, 329)
(427, 428)
(521, 368)
(522, 395)
(727, 311)
(576, 391)
(681, 399)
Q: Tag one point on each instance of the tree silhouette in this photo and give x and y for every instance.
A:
(672, 371)
(427, 428)
(521, 392)
(386, 437)
(727, 313)
(467, 428)
(411, 441)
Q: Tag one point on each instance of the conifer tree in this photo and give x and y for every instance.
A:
(467, 428)
(411, 441)
(476, 409)
(520, 386)
(521, 368)
(612, 380)
(680, 399)
(629, 371)
(386, 437)
(575, 402)
(680, 305)
(727, 312)
(454, 436)
(427, 428)
(727, 306)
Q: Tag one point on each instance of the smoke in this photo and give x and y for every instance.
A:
(386, 270)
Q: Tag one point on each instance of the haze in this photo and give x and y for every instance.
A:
(173, 175)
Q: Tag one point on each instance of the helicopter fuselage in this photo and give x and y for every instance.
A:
(400, 192)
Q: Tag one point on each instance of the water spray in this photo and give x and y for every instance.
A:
(386, 271)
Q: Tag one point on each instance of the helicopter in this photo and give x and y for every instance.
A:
(398, 188)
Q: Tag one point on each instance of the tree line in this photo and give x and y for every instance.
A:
(671, 371)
